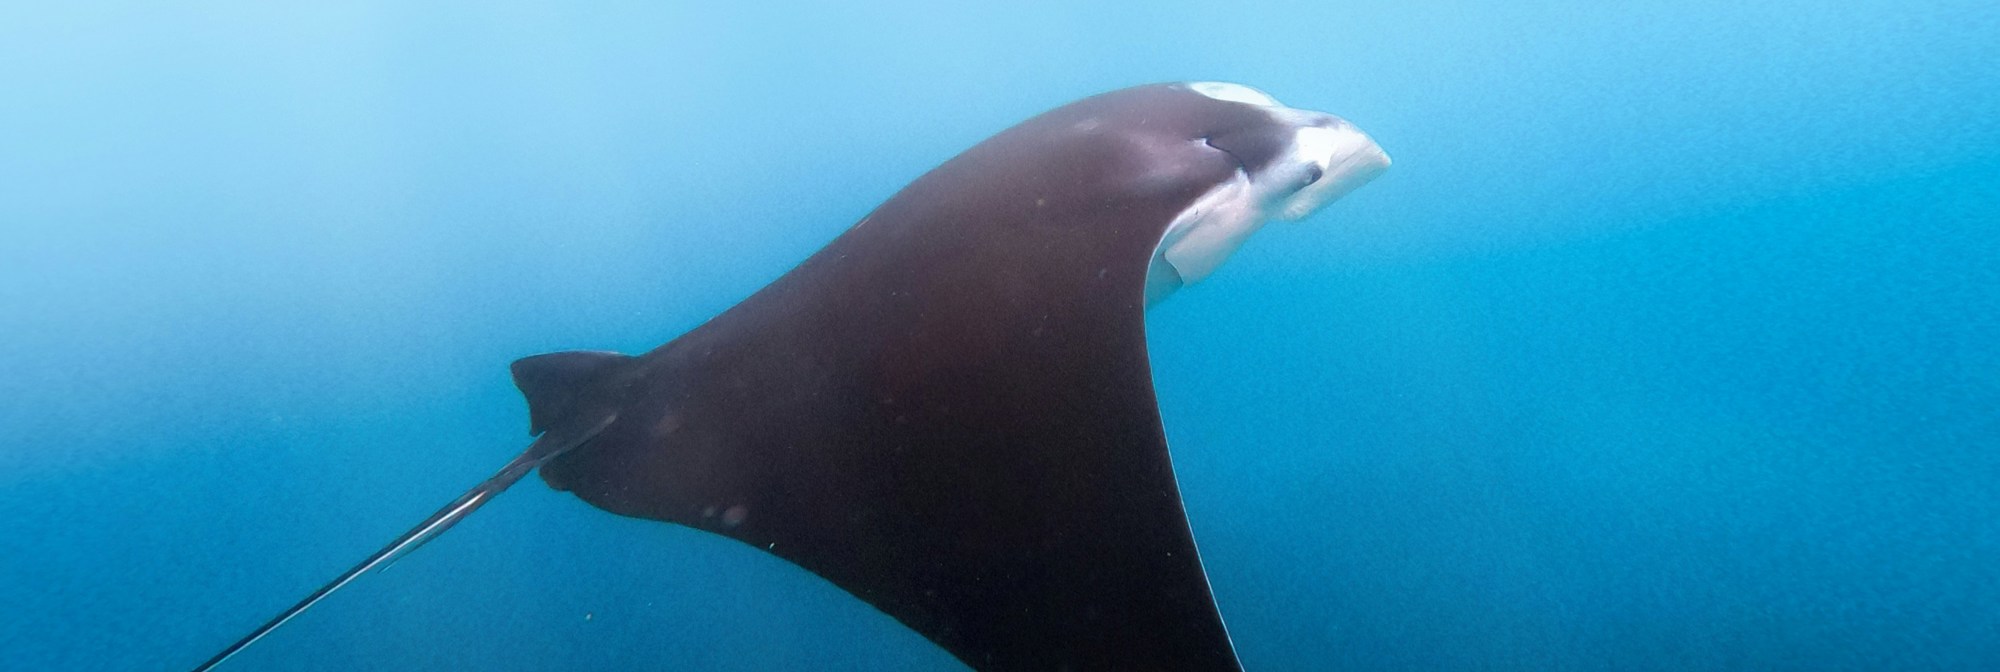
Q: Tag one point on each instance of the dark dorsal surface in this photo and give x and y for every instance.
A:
(948, 410)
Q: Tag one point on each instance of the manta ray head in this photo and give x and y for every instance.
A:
(1291, 162)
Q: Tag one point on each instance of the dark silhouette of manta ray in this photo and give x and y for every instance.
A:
(948, 410)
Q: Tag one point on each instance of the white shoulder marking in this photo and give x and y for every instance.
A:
(1235, 93)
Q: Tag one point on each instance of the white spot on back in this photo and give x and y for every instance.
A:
(1235, 93)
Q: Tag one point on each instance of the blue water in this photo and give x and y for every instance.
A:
(1666, 345)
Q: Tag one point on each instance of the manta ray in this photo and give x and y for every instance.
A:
(948, 410)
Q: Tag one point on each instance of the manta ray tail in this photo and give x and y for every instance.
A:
(548, 381)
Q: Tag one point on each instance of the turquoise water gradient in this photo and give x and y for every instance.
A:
(1666, 345)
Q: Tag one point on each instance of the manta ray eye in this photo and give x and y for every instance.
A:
(1313, 173)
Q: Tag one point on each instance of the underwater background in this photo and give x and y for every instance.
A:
(1667, 344)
